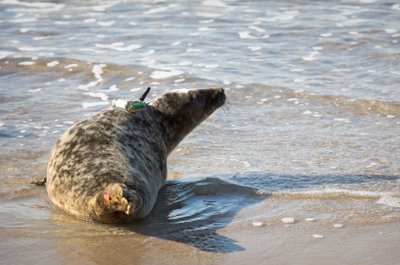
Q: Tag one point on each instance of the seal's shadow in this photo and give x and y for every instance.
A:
(192, 212)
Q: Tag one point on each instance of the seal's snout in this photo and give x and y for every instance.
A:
(221, 97)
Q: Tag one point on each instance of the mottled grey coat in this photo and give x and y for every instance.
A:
(110, 166)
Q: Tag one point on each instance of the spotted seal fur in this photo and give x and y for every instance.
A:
(110, 166)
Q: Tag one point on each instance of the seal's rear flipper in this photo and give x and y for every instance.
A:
(40, 181)
(116, 198)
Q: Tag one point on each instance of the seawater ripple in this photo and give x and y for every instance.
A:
(335, 48)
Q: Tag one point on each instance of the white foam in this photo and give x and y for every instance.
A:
(135, 89)
(100, 95)
(113, 88)
(395, 7)
(38, 6)
(312, 56)
(258, 29)
(25, 30)
(179, 80)
(86, 105)
(118, 47)
(254, 48)
(342, 120)
(130, 79)
(318, 236)
(299, 80)
(26, 63)
(29, 49)
(326, 35)
(214, 3)
(103, 8)
(297, 70)
(88, 85)
(89, 20)
(391, 31)
(257, 224)
(41, 37)
(149, 52)
(208, 21)
(164, 74)
(35, 90)
(203, 29)
(194, 34)
(72, 65)
(185, 63)
(106, 23)
(156, 10)
(4, 54)
(176, 43)
(246, 35)
(53, 63)
(207, 66)
(24, 20)
(333, 192)
(62, 22)
(288, 220)
(283, 16)
(389, 201)
(193, 50)
(351, 23)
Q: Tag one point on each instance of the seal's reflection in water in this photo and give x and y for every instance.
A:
(184, 221)
(192, 212)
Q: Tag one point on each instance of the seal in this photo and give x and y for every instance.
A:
(110, 167)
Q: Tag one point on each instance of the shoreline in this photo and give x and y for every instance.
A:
(268, 244)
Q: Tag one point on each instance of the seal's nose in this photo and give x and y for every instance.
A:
(221, 97)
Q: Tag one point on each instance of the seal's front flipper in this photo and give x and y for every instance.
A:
(40, 181)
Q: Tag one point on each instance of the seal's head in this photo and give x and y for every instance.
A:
(115, 203)
(187, 108)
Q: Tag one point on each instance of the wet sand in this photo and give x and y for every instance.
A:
(295, 244)
(269, 244)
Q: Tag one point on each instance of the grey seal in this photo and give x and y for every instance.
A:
(110, 167)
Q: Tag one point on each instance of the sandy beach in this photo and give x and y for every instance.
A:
(304, 242)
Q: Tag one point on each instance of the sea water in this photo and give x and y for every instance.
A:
(311, 127)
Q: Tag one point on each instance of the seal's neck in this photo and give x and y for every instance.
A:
(173, 129)
(180, 111)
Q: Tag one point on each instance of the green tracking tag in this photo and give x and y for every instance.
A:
(128, 105)
(131, 105)
(135, 105)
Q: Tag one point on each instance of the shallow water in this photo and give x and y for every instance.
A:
(311, 127)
